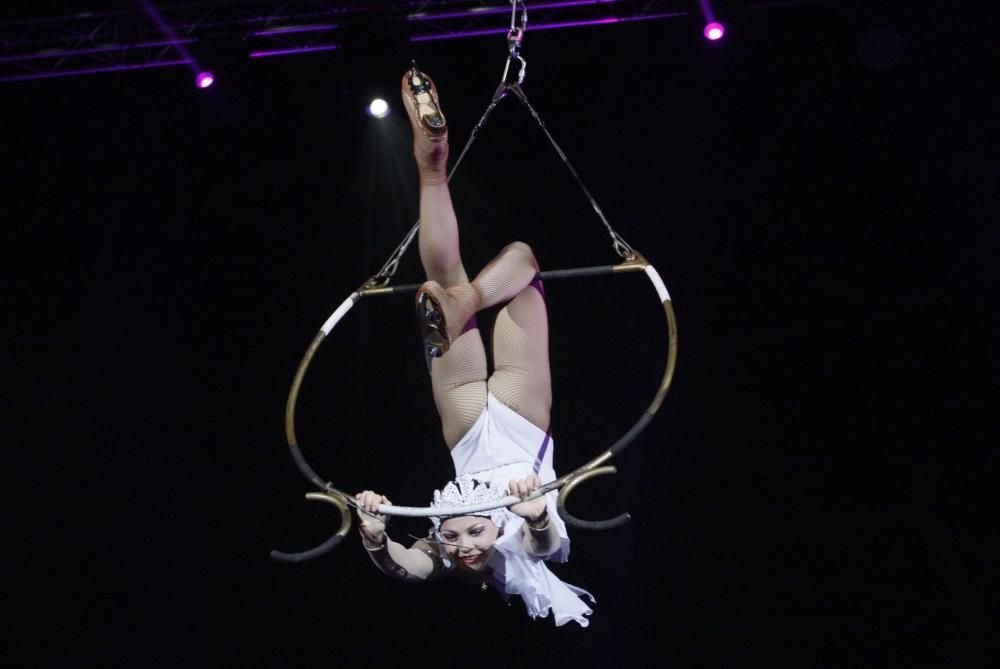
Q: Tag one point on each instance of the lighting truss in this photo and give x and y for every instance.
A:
(126, 37)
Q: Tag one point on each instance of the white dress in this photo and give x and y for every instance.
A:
(503, 445)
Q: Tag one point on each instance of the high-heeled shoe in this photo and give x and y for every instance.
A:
(443, 316)
(433, 327)
(420, 96)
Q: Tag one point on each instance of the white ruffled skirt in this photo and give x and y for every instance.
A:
(503, 445)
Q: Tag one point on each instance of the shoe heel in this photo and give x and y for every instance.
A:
(432, 326)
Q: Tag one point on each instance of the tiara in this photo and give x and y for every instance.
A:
(466, 490)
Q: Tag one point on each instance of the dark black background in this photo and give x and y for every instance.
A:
(807, 494)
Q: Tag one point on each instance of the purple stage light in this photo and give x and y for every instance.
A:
(714, 31)
(204, 79)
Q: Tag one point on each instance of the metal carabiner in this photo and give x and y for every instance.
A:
(515, 36)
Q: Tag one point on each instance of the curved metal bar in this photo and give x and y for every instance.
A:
(293, 393)
(293, 398)
(572, 520)
(442, 511)
(345, 526)
(548, 275)
(567, 482)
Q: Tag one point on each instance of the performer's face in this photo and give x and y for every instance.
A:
(469, 541)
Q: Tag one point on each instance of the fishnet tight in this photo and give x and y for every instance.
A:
(460, 378)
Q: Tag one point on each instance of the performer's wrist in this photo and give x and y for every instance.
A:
(373, 543)
(541, 522)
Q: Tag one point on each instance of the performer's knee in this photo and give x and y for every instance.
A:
(524, 251)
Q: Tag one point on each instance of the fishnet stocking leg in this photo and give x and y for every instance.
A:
(521, 377)
(521, 357)
(458, 379)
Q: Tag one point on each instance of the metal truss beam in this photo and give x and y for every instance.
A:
(478, 21)
(130, 37)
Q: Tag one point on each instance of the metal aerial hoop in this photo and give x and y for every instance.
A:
(378, 285)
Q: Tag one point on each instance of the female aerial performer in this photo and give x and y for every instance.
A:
(495, 425)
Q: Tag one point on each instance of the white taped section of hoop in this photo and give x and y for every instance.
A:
(661, 288)
(345, 306)
(427, 511)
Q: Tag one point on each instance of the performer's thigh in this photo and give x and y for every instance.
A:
(521, 377)
(458, 379)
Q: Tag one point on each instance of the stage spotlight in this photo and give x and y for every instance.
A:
(378, 108)
(714, 31)
(204, 79)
